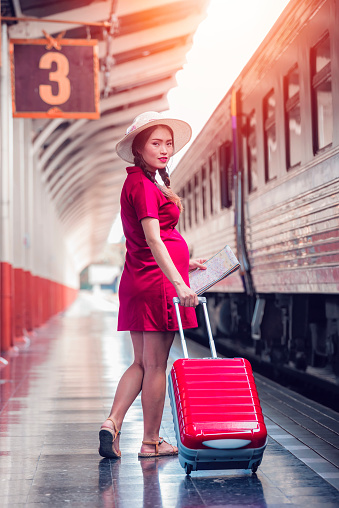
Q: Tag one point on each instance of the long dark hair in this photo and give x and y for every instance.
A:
(138, 145)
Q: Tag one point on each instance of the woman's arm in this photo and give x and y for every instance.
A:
(151, 229)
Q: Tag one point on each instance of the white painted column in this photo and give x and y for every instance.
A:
(29, 197)
(6, 153)
(26, 140)
(37, 239)
(19, 194)
(18, 232)
(6, 200)
(28, 239)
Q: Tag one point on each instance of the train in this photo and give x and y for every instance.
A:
(262, 176)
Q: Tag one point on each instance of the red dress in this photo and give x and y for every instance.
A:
(145, 293)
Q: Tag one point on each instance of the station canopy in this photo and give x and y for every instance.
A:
(138, 59)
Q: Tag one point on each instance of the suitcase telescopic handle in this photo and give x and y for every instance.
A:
(203, 301)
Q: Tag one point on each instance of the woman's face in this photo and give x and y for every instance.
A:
(158, 149)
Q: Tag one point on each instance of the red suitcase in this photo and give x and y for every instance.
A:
(216, 410)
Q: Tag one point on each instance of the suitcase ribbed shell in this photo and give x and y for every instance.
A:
(216, 399)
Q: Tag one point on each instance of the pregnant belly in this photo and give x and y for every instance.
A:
(178, 250)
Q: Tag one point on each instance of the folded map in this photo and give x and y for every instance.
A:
(219, 266)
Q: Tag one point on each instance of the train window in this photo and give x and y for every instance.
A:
(252, 160)
(225, 154)
(211, 182)
(270, 136)
(204, 191)
(196, 199)
(183, 215)
(292, 118)
(322, 94)
(189, 206)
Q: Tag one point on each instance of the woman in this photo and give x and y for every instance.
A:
(156, 269)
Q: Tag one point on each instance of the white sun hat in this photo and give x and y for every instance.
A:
(182, 133)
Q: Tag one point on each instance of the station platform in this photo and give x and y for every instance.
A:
(56, 392)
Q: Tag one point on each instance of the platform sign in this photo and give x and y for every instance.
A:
(59, 81)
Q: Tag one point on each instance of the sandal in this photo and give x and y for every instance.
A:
(107, 437)
(156, 452)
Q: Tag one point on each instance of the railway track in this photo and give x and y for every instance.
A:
(319, 385)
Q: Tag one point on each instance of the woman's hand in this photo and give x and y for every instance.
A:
(197, 263)
(188, 298)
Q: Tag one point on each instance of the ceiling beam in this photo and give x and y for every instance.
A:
(101, 141)
(115, 178)
(33, 29)
(153, 36)
(101, 12)
(148, 68)
(78, 170)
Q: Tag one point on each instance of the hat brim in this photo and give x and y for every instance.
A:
(182, 133)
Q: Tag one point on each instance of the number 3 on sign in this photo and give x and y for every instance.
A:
(59, 76)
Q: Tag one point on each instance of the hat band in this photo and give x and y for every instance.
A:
(135, 127)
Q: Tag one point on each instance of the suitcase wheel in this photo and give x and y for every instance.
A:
(188, 468)
(254, 468)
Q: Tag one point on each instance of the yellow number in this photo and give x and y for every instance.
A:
(59, 76)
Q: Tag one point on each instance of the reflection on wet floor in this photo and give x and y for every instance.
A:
(56, 393)
(158, 488)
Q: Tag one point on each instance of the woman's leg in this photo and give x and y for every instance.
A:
(129, 386)
(156, 350)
